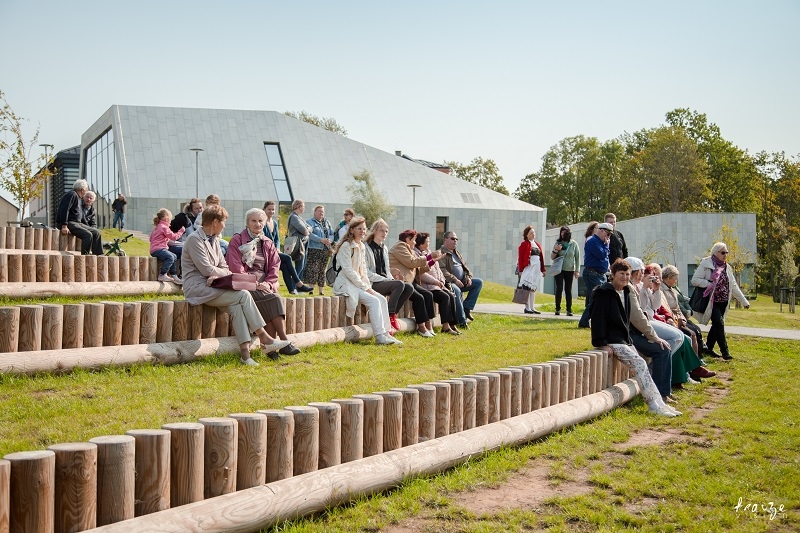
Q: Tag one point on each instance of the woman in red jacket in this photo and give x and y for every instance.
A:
(530, 263)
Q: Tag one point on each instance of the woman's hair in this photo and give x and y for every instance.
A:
(161, 215)
(655, 269)
(526, 231)
(254, 211)
(373, 228)
(649, 270)
(297, 203)
(669, 272)
(717, 247)
(620, 265)
(352, 213)
(212, 199)
(214, 212)
(421, 238)
(405, 234)
(357, 221)
(590, 229)
(562, 230)
(267, 204)
(188, 207)
(318, 207)
(89, 195)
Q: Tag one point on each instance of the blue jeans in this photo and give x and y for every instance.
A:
(169, 261)
(591, 279)
(468, 303)
(290, 277)
(119, 216)
(662, 361)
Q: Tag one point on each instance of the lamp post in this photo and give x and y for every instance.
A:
(196, 170)
(413, 203)
(47, 165)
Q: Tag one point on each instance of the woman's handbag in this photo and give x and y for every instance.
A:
(555, 268)
(332, 272)
(236, 282)
(293, 247)
(698, 302)
(521, 295)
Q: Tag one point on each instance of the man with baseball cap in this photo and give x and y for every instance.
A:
(595, 265)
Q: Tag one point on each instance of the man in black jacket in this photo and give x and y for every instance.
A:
(70, 219)
(617, 249)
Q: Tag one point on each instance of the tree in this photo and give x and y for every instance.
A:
(480, 171)
(368, 201)
(326, 123)
(17, 170)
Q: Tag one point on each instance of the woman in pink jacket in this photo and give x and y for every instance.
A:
(159, 246)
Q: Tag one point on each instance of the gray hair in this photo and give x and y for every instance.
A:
(717, 247)
(89, 195)
(669, 272)
(80, 185)
(254, 211)
(448, 234)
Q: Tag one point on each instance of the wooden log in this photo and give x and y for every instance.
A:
(30, 240)
(90, 274)
(494, 395)
(515, 396)
(72, 336)
(101, 269)
(469, 418)
(84, 289)
(536, 387)
(251, 452)
(124, 271)
(80, 269)
(343, 320)
(42, 268)
(427, 411)
(565, 380)
(152, 269)
(2, 237)
(39, 242)
(93, 315)
(195, 322)
(116, 478)
(410, 415)
(10, 238)
(330, 433)
(305, 442)
(164, 324)
(9, 329)
(144, 269)
(576, 384)
(299, 315)
(373, 423)
(442, 407)
(527, 387)
(112, 323)
(221, 441)
(19, 239)
(66, 242)
(289, 306)
(55, 238)
(186, 474)
(54, 268)
(456, 405)
(505, 393)
(29, 268)
(14, 268)
(319, 307)
(352, 417)
(223, 320)
(32, 481)
(5, 478)
(208, 327)
(52, 326)
(68, 268)
(334, 312)
(75, 486)
(113, 268)
(326, 313)
(152, 491)
(392, 419)
(3, 268)
(148, 322)
(310, 306)
(30, 328)
(133, 269)
(131, 322)
(180, 320)
(280, 444)
(481, 399)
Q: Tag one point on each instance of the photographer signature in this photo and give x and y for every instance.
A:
(756, 508)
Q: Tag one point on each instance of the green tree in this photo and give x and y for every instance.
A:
(480, 171)
(326, 123)
(18, 167)
(368, 201)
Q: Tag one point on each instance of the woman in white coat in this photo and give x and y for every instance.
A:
(353, 281)
(715, 275)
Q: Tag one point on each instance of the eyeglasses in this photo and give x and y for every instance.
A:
(454, 238)
(724, 253)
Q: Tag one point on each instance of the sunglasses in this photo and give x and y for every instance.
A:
(724, 253)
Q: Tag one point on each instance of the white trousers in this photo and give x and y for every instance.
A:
(244, 313)
(378, 311)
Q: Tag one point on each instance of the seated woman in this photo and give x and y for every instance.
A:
(396, 290)
(290, 277)
(434, 281)
(252, 252)
(202, 263)
(353, 281)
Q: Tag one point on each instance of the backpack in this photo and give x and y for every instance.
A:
(332, 272)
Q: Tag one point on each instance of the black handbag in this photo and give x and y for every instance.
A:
(698, 302)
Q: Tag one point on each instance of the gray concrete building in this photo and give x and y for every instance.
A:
(247, 157)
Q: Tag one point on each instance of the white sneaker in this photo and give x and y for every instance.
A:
(664, 411)
(426, 334)
(249, 362)
(177, 281)
(383, 338)
(277, 344)
(166, 278)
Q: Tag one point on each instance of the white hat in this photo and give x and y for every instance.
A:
(635, 263)
(606, 225)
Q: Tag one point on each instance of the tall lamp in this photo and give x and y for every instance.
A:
(413, 204)
(196, 170)
(47, 164)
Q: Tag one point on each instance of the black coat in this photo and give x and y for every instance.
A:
(610, 319)
(616, 247)
(181, 220)
(69, 210)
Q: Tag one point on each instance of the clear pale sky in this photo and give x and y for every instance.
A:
(438, 80)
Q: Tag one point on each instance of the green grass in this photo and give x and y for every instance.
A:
(134, 246)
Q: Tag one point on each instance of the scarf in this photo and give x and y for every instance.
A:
(249, 249)
(719, 270)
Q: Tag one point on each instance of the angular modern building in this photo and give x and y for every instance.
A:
(162, 157)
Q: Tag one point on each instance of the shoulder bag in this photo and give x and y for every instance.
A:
(236, 282)
(521, 295)
(698, 302)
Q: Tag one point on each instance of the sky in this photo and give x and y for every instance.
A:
(441, 81)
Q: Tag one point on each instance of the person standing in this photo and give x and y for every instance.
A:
(617, 249)
(297, 227)
(595, 266)
(118, 206)
(457, 273)
(318, 250)
(530, 263)
(70, 219)
(568, 249)
(341, 230)
(290, 278)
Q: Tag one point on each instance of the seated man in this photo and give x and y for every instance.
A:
(70, 219)
(460, 278)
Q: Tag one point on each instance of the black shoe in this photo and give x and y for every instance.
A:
(463, 325)
(305, 288)
(290, 350)
(468, 314)
(274, 356)
(569, 313)
(535, 312)
(727, 357)
(558, 313)
(712, 353)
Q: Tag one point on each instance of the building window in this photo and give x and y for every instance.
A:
(100, 171)
(441, 229)
(278, 171)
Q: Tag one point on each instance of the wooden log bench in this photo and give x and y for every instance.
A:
(23, 266)
(37, 239)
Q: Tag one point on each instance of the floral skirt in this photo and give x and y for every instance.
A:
(316, 263)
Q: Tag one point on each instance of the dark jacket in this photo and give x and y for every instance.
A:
(446, 264)
(90, 217)
(610, 319)
(181, 220)
(617, 247)
(69, 210)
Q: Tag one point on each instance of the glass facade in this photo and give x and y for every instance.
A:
(278, 171)
(100, 171)
(441, 229)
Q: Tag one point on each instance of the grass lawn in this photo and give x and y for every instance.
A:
(745, 447)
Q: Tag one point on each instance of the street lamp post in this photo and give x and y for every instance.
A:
(413, 204)
(196, 170)
(47, 165)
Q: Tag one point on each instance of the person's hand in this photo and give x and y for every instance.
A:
(210, 280)
(468, 282)
(326, 242)
(459, 284)
(372, 292)
(436, 254)
(559, 247)
(396, 274)
(263, 286)
(441, 284)
(608, 350)
(64, 230)
(664, 344)
(577, 274)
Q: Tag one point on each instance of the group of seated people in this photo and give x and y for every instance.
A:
(76, 216)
